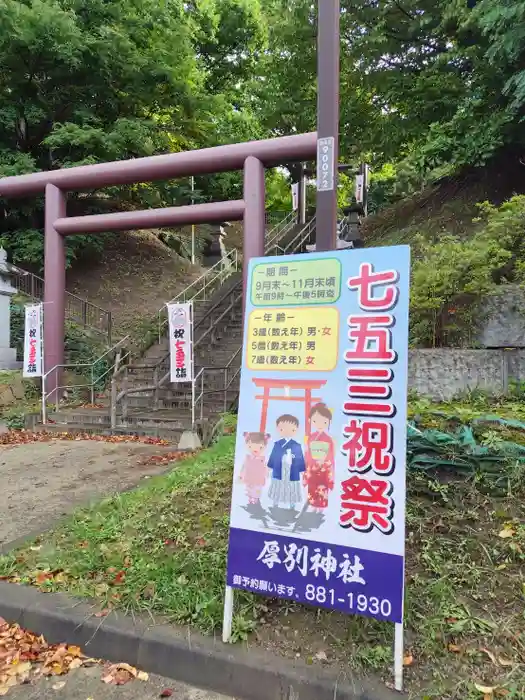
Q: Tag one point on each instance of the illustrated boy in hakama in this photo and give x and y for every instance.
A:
(287, 464)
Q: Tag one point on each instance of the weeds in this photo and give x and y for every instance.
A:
(162, 549)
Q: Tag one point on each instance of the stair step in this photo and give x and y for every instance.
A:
(172, 436)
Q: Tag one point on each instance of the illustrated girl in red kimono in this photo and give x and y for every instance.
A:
(320, 458)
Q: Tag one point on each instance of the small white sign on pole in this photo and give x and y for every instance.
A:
(33, 355)
(360, 188)
(325, 164)
(181, 342)
(295, 196)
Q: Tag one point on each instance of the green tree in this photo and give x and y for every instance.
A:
(86, 81)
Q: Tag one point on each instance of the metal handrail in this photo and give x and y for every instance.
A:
(281, 228)
(78, 365)
(200, 398)
(302, 235)
(236, 290)
(221, 264)
(77, 309)
(270, 217)
(217, 272)
(224, 267)
(165, 357)
(286, 228)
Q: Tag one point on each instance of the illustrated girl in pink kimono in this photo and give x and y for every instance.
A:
(254, 470)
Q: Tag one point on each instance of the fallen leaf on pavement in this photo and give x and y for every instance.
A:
(168, 457)
(24, 655)
(126, 667)
(18, 669)
(120, 674)
(58, 686)
(102, 613)
(166, 693)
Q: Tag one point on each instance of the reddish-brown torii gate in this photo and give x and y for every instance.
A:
(306, 385)
(253, 157)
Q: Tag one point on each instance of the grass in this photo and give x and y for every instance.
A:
(25, 398)
(162, 549)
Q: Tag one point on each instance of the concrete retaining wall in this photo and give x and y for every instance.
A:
(446, 372)
(504, 325)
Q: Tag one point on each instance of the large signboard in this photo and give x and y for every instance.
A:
(181, 342)
(33, 341)
(318, 505)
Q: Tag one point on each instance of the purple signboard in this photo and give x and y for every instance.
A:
(318, 505)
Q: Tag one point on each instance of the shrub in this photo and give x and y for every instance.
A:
(451, 278)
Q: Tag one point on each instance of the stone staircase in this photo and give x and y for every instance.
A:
(145, 403)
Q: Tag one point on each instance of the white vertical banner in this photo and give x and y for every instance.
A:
(360, 188)
(33, 355)
(181, 342)
(295, 196)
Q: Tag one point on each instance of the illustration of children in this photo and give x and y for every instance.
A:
(254, 471)
(320, 458)
(287, 464)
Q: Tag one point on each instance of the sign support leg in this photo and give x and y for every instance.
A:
(192, 369)
(398, 656)
(228, 615)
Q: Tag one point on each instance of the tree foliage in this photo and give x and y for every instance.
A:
(429, 81)
(86, 81)
(427, 87)
(452, 278)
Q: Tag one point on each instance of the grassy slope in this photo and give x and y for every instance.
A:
(136, 275)
(448, 206)
(162, 549)
(133, 279)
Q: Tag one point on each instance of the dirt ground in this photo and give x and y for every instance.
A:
(41, 482)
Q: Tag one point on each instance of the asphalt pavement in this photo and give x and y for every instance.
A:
(86, 684)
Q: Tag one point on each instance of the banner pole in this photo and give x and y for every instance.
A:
(192, 370)
(398, 656)
(228, 615)
(42, 365)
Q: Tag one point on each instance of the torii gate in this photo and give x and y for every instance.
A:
(252, 157)
(306, 385)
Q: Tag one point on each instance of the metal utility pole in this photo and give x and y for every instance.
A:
(328, 40)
